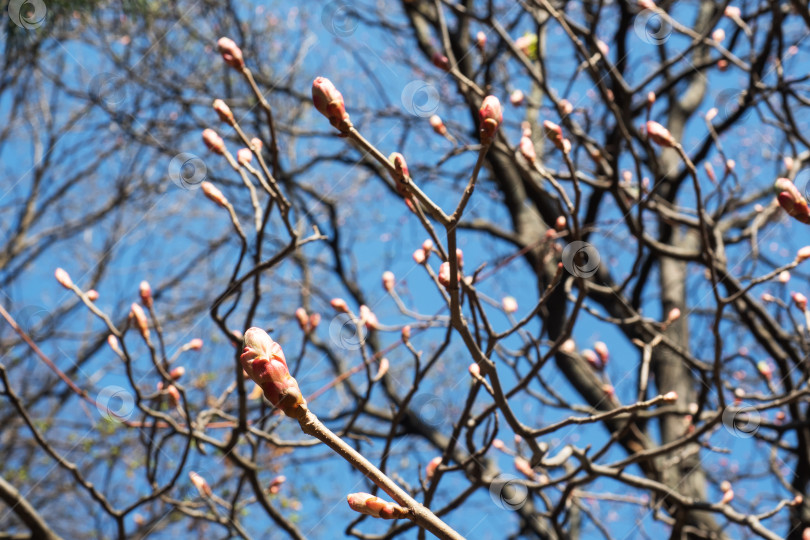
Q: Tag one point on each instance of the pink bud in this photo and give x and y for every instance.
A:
(223, 111)
(388, 280)
(177, 372)
(382, 369)
(440, 61)
(368, 504)
(526, 43)
(498, 444)
(509, 304)
(214, 194)
(560, 223)
(444, 274)
(566, 106)
(314, 321)
(63, 278)
(592, 358)
(806, 534)
(140, 320)
(765, 368)
(555, 135)
(523, 467)
(430, 469)
(728, 495)
(491, 116)
(788, 162)
(650, 99)
(112, 341)
(400, 174)
(174, 395)
(460, 258)
(732, 12)
(419, 256)
(437, 125)
(673, 315)
(368, 318)
(199, 482)
(406, 332)
(730, 164)
(213, 141)
(516, 97)
(602, 350)
(303, 318)
(427, 245)
(263, 361)
(660, 135)
(646, 4)
(244, 156)
(481, 41)
(609, 390)
(475, 370)
(195, 344)
(527, 149)
(146, 293)
(803, 254)
(231, 53)
(784, 277)
(339, 304)
(275, 484)
(710, 171)
(257, 143)
(719, 35)
(329, 102)
(722, 64)
(568, 346)
(800, 300)
(711, 113)
(671, 397)
(767, 297)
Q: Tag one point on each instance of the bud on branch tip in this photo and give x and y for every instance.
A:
(368, 504)
(329, 102)
(491, 115)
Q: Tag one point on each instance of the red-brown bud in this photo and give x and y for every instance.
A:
(527, 149)
(420, 256)
(177, 372)
(368, 318)
(800, 300)
(555, 135)
(481, 41)
(339, 304)
(430, 469)
(92, 295)
(437, 125)
(803, 254)
(195, 344)
(440, 61)
(200, 483)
